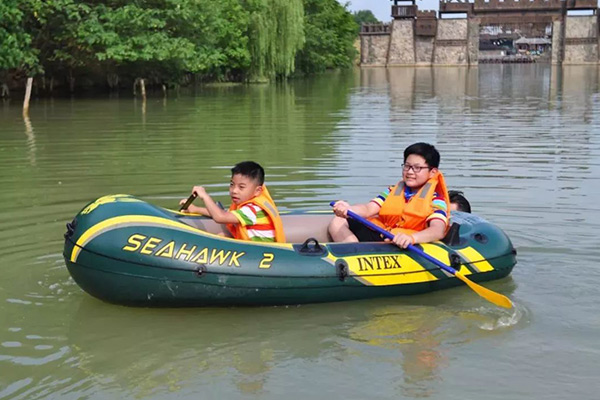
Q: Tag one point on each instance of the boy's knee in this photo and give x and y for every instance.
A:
(337, 222)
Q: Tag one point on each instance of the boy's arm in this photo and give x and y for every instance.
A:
(435, 231)
(198, 210)
(367, 210)
(213, 210)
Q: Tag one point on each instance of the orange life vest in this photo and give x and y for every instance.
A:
(396, 215)
(266, 203)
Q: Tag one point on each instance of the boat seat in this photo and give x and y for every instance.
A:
(297, 227)
(207, 225)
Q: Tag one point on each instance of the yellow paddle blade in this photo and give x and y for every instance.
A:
(493, 297)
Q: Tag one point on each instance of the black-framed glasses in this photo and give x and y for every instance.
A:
(415, 168)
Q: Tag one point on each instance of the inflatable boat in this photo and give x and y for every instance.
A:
(124, 250)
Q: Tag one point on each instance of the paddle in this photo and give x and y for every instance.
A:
(493, 297)
(188, 201)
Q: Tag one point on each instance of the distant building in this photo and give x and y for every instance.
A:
(533, 44)
(468, 32)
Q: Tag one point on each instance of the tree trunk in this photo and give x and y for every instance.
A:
(71, 82)
(142, 83)
(135, 84)
(112, 80)
(5, 91)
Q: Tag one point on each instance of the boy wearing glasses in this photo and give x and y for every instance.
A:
(415, 210)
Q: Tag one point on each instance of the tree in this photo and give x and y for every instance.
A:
(330, 32)
(16, 52)
(168, 41)
(365, 17)
(275, 34)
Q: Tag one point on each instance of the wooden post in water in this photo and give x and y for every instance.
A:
(27, 96)
(143, 88)
(5, 91)
(142, 83)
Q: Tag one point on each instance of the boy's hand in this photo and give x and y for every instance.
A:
(341, 208)
(200, 191)
(182, 202)
(403, 240)
(191, 208)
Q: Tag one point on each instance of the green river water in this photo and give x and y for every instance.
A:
(522, 142)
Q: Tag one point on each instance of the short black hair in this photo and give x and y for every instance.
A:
(251, 170)
(458, 197)
(425, 150)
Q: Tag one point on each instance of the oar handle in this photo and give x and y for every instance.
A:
(388, 235)
(188, 201)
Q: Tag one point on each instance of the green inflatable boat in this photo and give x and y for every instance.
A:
(123, 250)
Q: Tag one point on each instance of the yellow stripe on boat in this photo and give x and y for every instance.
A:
(148, 220)
(476, 259)
(443, 256)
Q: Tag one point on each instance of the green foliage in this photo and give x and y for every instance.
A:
(275, 33)
(330, 32)
(16, 52)
(169, 40)
(365, 17)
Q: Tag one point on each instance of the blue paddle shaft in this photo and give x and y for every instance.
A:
(388, 235)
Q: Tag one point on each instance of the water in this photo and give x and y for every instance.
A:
(523, 143)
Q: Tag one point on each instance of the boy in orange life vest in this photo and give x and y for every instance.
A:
(415, 210)
(253, 214)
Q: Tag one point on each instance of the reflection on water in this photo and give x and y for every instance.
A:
(520, 140)
(30, 139)
(153, 354)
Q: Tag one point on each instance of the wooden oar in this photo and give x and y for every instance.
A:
(491, 296)
(188, 201)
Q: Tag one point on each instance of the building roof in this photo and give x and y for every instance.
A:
(525, 40)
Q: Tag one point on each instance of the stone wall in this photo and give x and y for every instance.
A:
(473, 41)
(580, 43)
(456, 43)
(457, 40)
(374, 49)
(424, 50)
(451, 42)
(402, 46)
(556, 41)
(581, 40)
